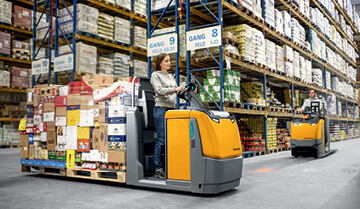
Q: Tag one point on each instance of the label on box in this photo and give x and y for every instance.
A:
(49, 116)
(115, 138)
(86, 118)
(103, 157)
(60, 121)
(61, 139)
(31, 138)
(118, 120)
(117, 129)
(94, 155)
(37, 119)
(117, 111)
(43, 137)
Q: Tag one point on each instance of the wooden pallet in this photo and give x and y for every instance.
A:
(270, 27)
(230, 41)
(118, 176)
(259, 153)
(248, 154)
(275, 150)
(44, 170)
(140, 15)
(21, 27)
(260, 108)
(107, 2)
(21, 57)
(105, 39)
(21, 51)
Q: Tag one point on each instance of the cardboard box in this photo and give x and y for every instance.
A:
(73, 117)
(73, 99)
(50, 126)
(83, 133)
(24, 152)
(49, 107)
(117, 132)
(83, 145)
(102, 112)
(61, 111)
(24, 140)
(49, 116)
(86, 118)
(74, 87)
(96, 139)
(51, 140)
(70, 158)
(71, 137)
(61, 101)
(31, 151)
(94, 155)
(60, 121)
(117, 156)
(90, 82)
(104, 145)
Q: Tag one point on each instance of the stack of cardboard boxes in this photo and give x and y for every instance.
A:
(283, 138)
(252, 92)
(271, 133)
(82, 125)
(5, 12)
(251, 142)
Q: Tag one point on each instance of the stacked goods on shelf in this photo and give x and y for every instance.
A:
(251, 142)
(260, 47)
(357, 112)
(20, 77)
(252, 92)
(22, 17)
(288, 63)
(271, 133)
(248, 4)
(105, 66)
(296, 65)
(257, 10)
(287, 94)
(13, 111)
(334, 131)
(85, 57)
(287, 24)
(182, 37)
(297, 32)
(331, 104)
(343, 134)
(86, 19)
(352, 131)
(328, 80)
(61, 124)
(106, 26)
(124, 4)
(21, 49)
(140, 68)
(140, 7)
(5, 43)
(121, 31)
(9, 135)
(308, 69)
(244, 35)
(140, 37)
(302, 68)
(335, 84)
(282, 138)
(121, 64)
(317, 77)
(10, 98)
(160, 4)
(5, 12)
(268, 11)
(305, 8)
(280, 59)
(5, 75)
(315, 43)
(231, 90)
(270, 54)
(279, 22)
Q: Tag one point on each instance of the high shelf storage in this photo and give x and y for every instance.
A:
(228, 15)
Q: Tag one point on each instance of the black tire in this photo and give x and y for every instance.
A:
(294, 153)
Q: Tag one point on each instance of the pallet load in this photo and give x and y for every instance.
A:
(231, 90)
(268, 11)
(140, 7)
(140, 37)
(20, 50)
(287, 94)
(282, 138)
(270, 54)
(121, 64)
(315, 43)
(257, 10)
(296, 65)
(328, 80)
(251, 142)
(260, 47)
(302, 68)
(331, 104)
(280, 59)
(271, 133)
(80, 126)
(287, 24)
(13, 111)
(5, 43)
(9, 135)
(22, 17)
(140, 68)
(279, 22)
(334, 132)
(86, 19)
(252, 92)
(5, 12)
(308, 69)
(126, 4)
(297, 32)
(106, 26)
(5, 75)
(160, 4)
(121, 31)
(20, 77)
(248, 4)
(317, 77)
(105, 66)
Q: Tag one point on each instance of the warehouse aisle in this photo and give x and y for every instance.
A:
(271, 181)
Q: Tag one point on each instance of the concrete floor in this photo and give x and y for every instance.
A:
(331, 182)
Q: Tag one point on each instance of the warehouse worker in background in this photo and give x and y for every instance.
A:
(313, 98)
(165, 89)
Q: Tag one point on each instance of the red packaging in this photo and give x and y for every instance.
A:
(20, 77)
(74, 87)
(61, 101)
(21, 16)
(5, 43)
(83, 145)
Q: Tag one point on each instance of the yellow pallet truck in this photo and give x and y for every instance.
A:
(202, 147)
(310, 134)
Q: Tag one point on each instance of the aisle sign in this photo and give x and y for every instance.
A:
(203, 38)
(64, 62)
(40, 66)
(162, 44)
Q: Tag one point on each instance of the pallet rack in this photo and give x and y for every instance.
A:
(212, 13)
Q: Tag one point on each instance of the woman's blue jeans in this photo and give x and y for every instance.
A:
(159, 118)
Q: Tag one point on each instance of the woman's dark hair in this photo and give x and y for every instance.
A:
(159, 59)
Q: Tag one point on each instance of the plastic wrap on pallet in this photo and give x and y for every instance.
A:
(5, 78)
(308, 69)
(288, 53)
(140, 7)
(316, 43)
(328, 80)
(331, 104)
(279, 23)
(257, 8)
(270, 54)
(121, 31)
(5, 12)
(268, 11)
(307, 8)
(124, 4)
(248, 4)
(105, 66)
(287, 23)
(20, 77)
(297, 32)
(22, 16)
(120, 64)
(289, 70)
(86, 19)
(302, 68)
(140, 68)
(106, 26)
(317, 77)
(280, 58)
(160, 4)
(140, 37)
(260, 47)
(296, 65)
(5, 43)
